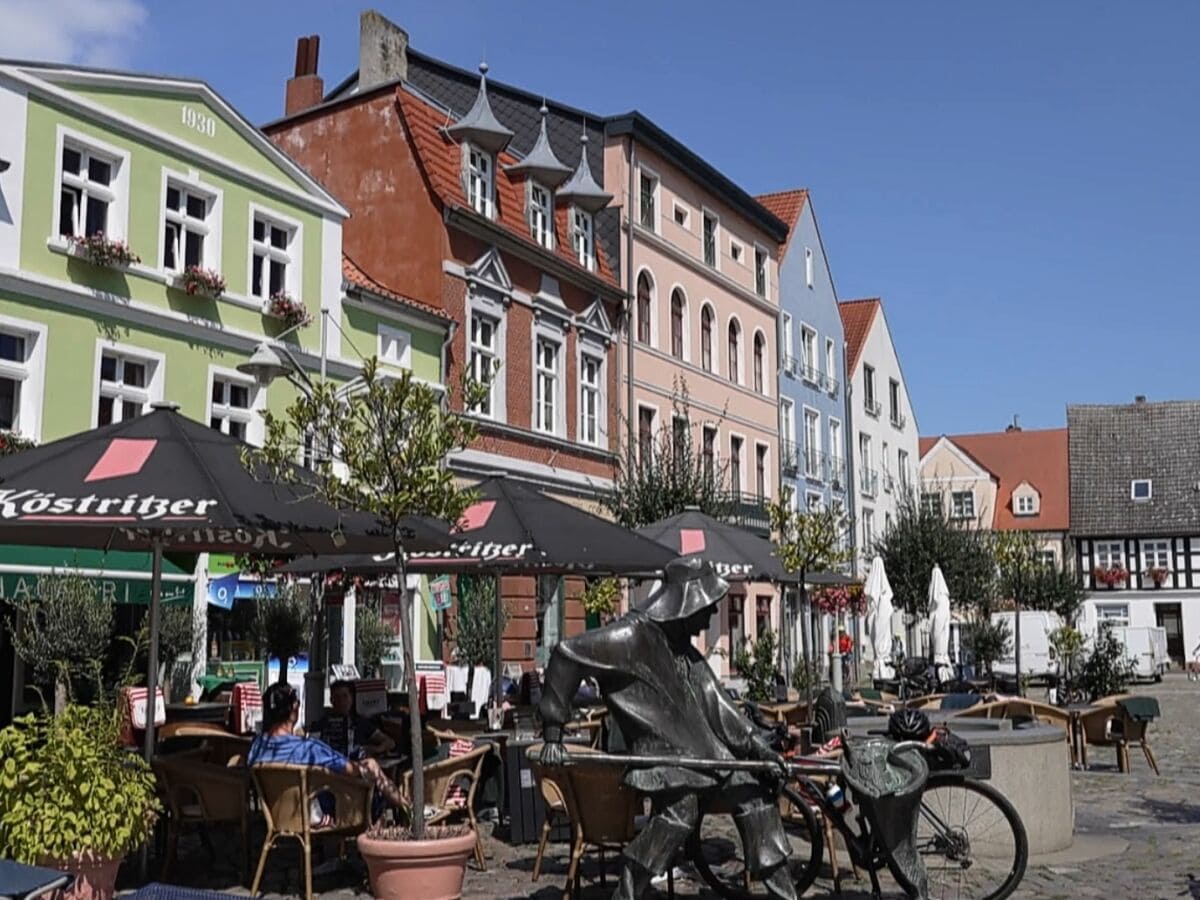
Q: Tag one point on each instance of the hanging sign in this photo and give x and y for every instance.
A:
(439, 593)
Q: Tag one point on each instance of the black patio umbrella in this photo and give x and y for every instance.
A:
(516, 529)
(164, 482)
(736, 554)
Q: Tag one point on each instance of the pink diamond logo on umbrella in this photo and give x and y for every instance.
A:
(476, 515)
(691, 540)
(123, 456)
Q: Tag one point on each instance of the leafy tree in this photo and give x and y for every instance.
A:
(387, 444)
(805, 542)
(176, 634)
(1057, 591)
(475, 626)
(283, 625)
(372, 637)
(63, 632)
(671, 475)
(757, 663)
(987, 641)
(601, 597)
(1106, 668)
(922, 537)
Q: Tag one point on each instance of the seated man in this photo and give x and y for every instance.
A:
(345, 730)
(278, 743)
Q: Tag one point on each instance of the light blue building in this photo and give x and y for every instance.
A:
(812, 393)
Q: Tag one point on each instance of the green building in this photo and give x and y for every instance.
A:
(150, 238)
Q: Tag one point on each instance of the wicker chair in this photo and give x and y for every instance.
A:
(287, 792)
(198, 794)
(556, 810)
(1029, 710)
(458, 772)
(1112, 724)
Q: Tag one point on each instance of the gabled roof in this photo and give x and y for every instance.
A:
(857, 318)
(355, 277)
(1111, 446)
(1015, 457)
(440, 159)
(786, 206)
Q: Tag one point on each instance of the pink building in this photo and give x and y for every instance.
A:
(699, 257)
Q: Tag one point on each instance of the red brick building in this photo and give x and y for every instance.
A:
(444, 211)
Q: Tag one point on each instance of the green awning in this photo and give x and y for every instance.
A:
(121, 576)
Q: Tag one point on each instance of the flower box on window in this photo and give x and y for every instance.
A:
(1110, 576)
(102, 251)
(284, 306)
(838, 599)
(1158, 575)
(205, 282)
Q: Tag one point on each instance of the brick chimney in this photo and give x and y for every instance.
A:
(382, 51)
(1140, 399)
(304, 89)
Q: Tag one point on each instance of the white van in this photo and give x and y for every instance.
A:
(1037, 656)
(1147, 647)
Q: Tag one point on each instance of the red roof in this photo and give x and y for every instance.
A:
(786, 206)
(357, 277)
(857, 318)
(1038, 457)
(441, 160)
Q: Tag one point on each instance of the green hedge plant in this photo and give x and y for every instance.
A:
(68, 788)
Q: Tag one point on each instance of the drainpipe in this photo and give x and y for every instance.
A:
(451, 330)
(630, 290)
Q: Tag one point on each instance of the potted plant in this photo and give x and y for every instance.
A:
(601, 599)
(1110, 576)
(475, 624)
(283, 625)
(284, 306)
(102, 251)
(71, 798)
(390, 441)
(1159, 575)
(197, 280)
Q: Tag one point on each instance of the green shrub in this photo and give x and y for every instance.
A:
(757, 663)
(67, 786)
(987, 641)
(1106, 668)
(372, 639)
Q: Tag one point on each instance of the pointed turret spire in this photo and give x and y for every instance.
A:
(582, 189)
(480, 126)
(541, 164)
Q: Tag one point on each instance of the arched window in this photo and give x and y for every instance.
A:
(706, 338)
(677, 323)
(759, 352)
(735, 351)
(644, 288)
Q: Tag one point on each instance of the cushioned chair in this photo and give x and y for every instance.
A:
(287, 793)
(199, 794)
(450, 786)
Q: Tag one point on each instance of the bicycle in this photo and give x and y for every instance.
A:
(959, 837)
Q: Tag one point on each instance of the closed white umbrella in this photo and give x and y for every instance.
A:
(879, 616)
(939, 624)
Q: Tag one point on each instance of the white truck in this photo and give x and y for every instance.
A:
(1147, 647)
(1038, 659)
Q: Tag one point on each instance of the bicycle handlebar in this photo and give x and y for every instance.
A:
(804, 766)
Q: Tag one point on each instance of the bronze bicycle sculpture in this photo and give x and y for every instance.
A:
(667, 701)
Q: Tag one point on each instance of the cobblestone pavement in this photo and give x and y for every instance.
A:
(1145, 830)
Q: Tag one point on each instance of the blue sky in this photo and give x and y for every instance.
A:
(1018, 181)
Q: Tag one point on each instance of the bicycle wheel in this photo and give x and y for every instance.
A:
(971, 839)
(716, 850)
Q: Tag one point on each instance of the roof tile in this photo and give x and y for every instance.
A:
(857, 318)
(357, 277)
(786, 206)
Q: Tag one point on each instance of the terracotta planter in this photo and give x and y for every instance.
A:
(417, 870)
(95, 879)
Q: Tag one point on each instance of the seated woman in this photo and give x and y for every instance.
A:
(278, 743)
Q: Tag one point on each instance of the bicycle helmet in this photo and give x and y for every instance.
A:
(908, 725)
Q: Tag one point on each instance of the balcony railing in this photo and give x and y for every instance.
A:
(872, 407)
(869, 482)
(748, 511)
(899, 420)
(814, 465)
(789, 457)
(811, 374)
(790, 364)
(889, 483)
(837, 473)
(830, 385)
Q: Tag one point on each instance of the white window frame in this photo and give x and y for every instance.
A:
(30, 374)
(740, 487)
(737, 377)
(494, 310)
(676, 209)
(868, 517)
(812, 448)
(789, 359)
(1133, 490)
(655, 200)
(210, 227)
(737, 252)
(594, 352)
(813, 501)
(765, 449)
(398, 337)
(543, 334)
(541, 215)
(767, 373)
(707, 213)
(117, 189)
(653, 410)
(1116, 614)
(479, 172)
(705, 430)
(836, 451)
(808, 356)
(156, 367)
(653, 313)
(1160, 550)
(1025, 504)
(831, 361)
(292, 257)
(583, 237)
(959, 510)
(685, 343)
(871, 404)
(1105, 550)
(932, 502)
(251, 416)
(761, 252)
(809, 268)
(787, 419)
(902, 469)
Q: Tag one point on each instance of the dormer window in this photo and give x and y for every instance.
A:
(1140, 490)
(1026, 505)
(481, 183)
(541, 215)
(583, 237)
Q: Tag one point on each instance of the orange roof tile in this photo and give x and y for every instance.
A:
(857, 318)
(356, 276)
(441, 159)
(786, 206)
(1038, 456)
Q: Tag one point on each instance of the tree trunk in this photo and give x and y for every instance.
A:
(61, 694)
(283, 664)
(414, 695)
(805, 629)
